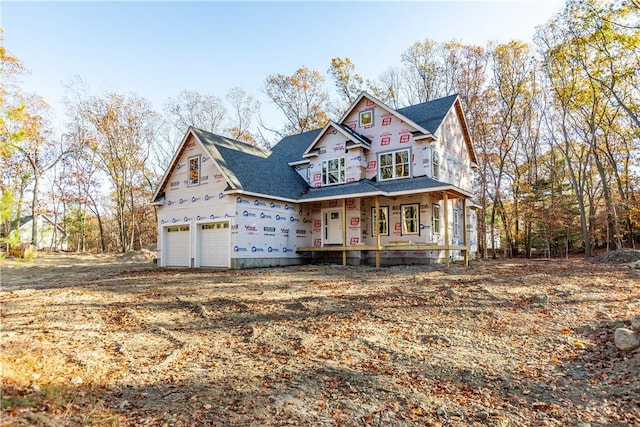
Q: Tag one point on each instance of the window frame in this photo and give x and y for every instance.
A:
(375, 222)
(191, 180)
(456, 223)
(415, 219)
(177, 228)
(394, 165)
(435, 219)
(342, 171)
(435, 165)
(368, 116)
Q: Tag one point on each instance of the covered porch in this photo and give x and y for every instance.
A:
(409, 243)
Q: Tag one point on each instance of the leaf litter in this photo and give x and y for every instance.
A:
(499, 343)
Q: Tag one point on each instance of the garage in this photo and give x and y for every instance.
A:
(177, 246)
(214, 241)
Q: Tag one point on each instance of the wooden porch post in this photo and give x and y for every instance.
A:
(464, 232)
(377, 231)
(344, 231)
(446, 229)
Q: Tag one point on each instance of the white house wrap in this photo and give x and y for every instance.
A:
(379, 186)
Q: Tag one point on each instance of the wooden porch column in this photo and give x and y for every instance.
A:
(464, 232)
(446, 230)
(377, 231)
(344, 231)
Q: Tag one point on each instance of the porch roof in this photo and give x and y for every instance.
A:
(341, 191)
(367, 187)
(420, 184)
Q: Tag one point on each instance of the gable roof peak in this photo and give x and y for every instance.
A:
(429, 114)
(363, 94)
(209, 138)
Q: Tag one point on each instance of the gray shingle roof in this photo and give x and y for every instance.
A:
(429, 114)
(263, 171)
(420, 182)
(290, 148)
(367, 186)
(358, 187)
(253, 169)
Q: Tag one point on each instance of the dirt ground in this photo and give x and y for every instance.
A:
(113, 340)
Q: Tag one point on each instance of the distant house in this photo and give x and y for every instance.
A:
(50, 235)
(379, 186)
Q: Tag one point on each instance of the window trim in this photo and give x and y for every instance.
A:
(394, 165)
(191, 182)
(366, 113)
(436, 219)
(375, 223)
(455, 223)
(435, 165)
(324, 179)
(416, 219)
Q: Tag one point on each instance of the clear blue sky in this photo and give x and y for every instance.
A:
(157, 49)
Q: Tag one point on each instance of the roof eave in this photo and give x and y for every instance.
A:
(266, 196)
(441, 189)
(342, 196)
(465, 127)
(299, 162)
(426, 138)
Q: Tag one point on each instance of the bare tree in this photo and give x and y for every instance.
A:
(244, 108)
(301, 97)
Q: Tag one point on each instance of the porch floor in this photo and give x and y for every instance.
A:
(398, 246)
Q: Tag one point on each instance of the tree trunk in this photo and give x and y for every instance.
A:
(612, 217)
(34, 209)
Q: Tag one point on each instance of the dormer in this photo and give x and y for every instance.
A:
(335, 137)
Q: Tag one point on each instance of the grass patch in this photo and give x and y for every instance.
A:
(14, 402)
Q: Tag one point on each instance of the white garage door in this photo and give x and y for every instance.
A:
(177, 246)
(214, 244)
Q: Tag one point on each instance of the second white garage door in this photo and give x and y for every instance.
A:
(214, 241)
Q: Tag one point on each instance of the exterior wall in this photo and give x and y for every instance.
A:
(356, 164)
(332, 146)
(262, 230)
(354, 222)
(395, 225)
(305, 170)
(425, 235)
(455, 161)
(387, 133)
(268, 232)
(192, 205)
(472, 232)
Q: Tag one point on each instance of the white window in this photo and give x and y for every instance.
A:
(216, 225)
(410, 221)
(394, 165)
(366, 118)
(380, 222)
(333, 171)
(177, 228)
(435, 219)
(194, 170)
(436, 166)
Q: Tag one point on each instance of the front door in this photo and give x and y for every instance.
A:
(332, 227)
